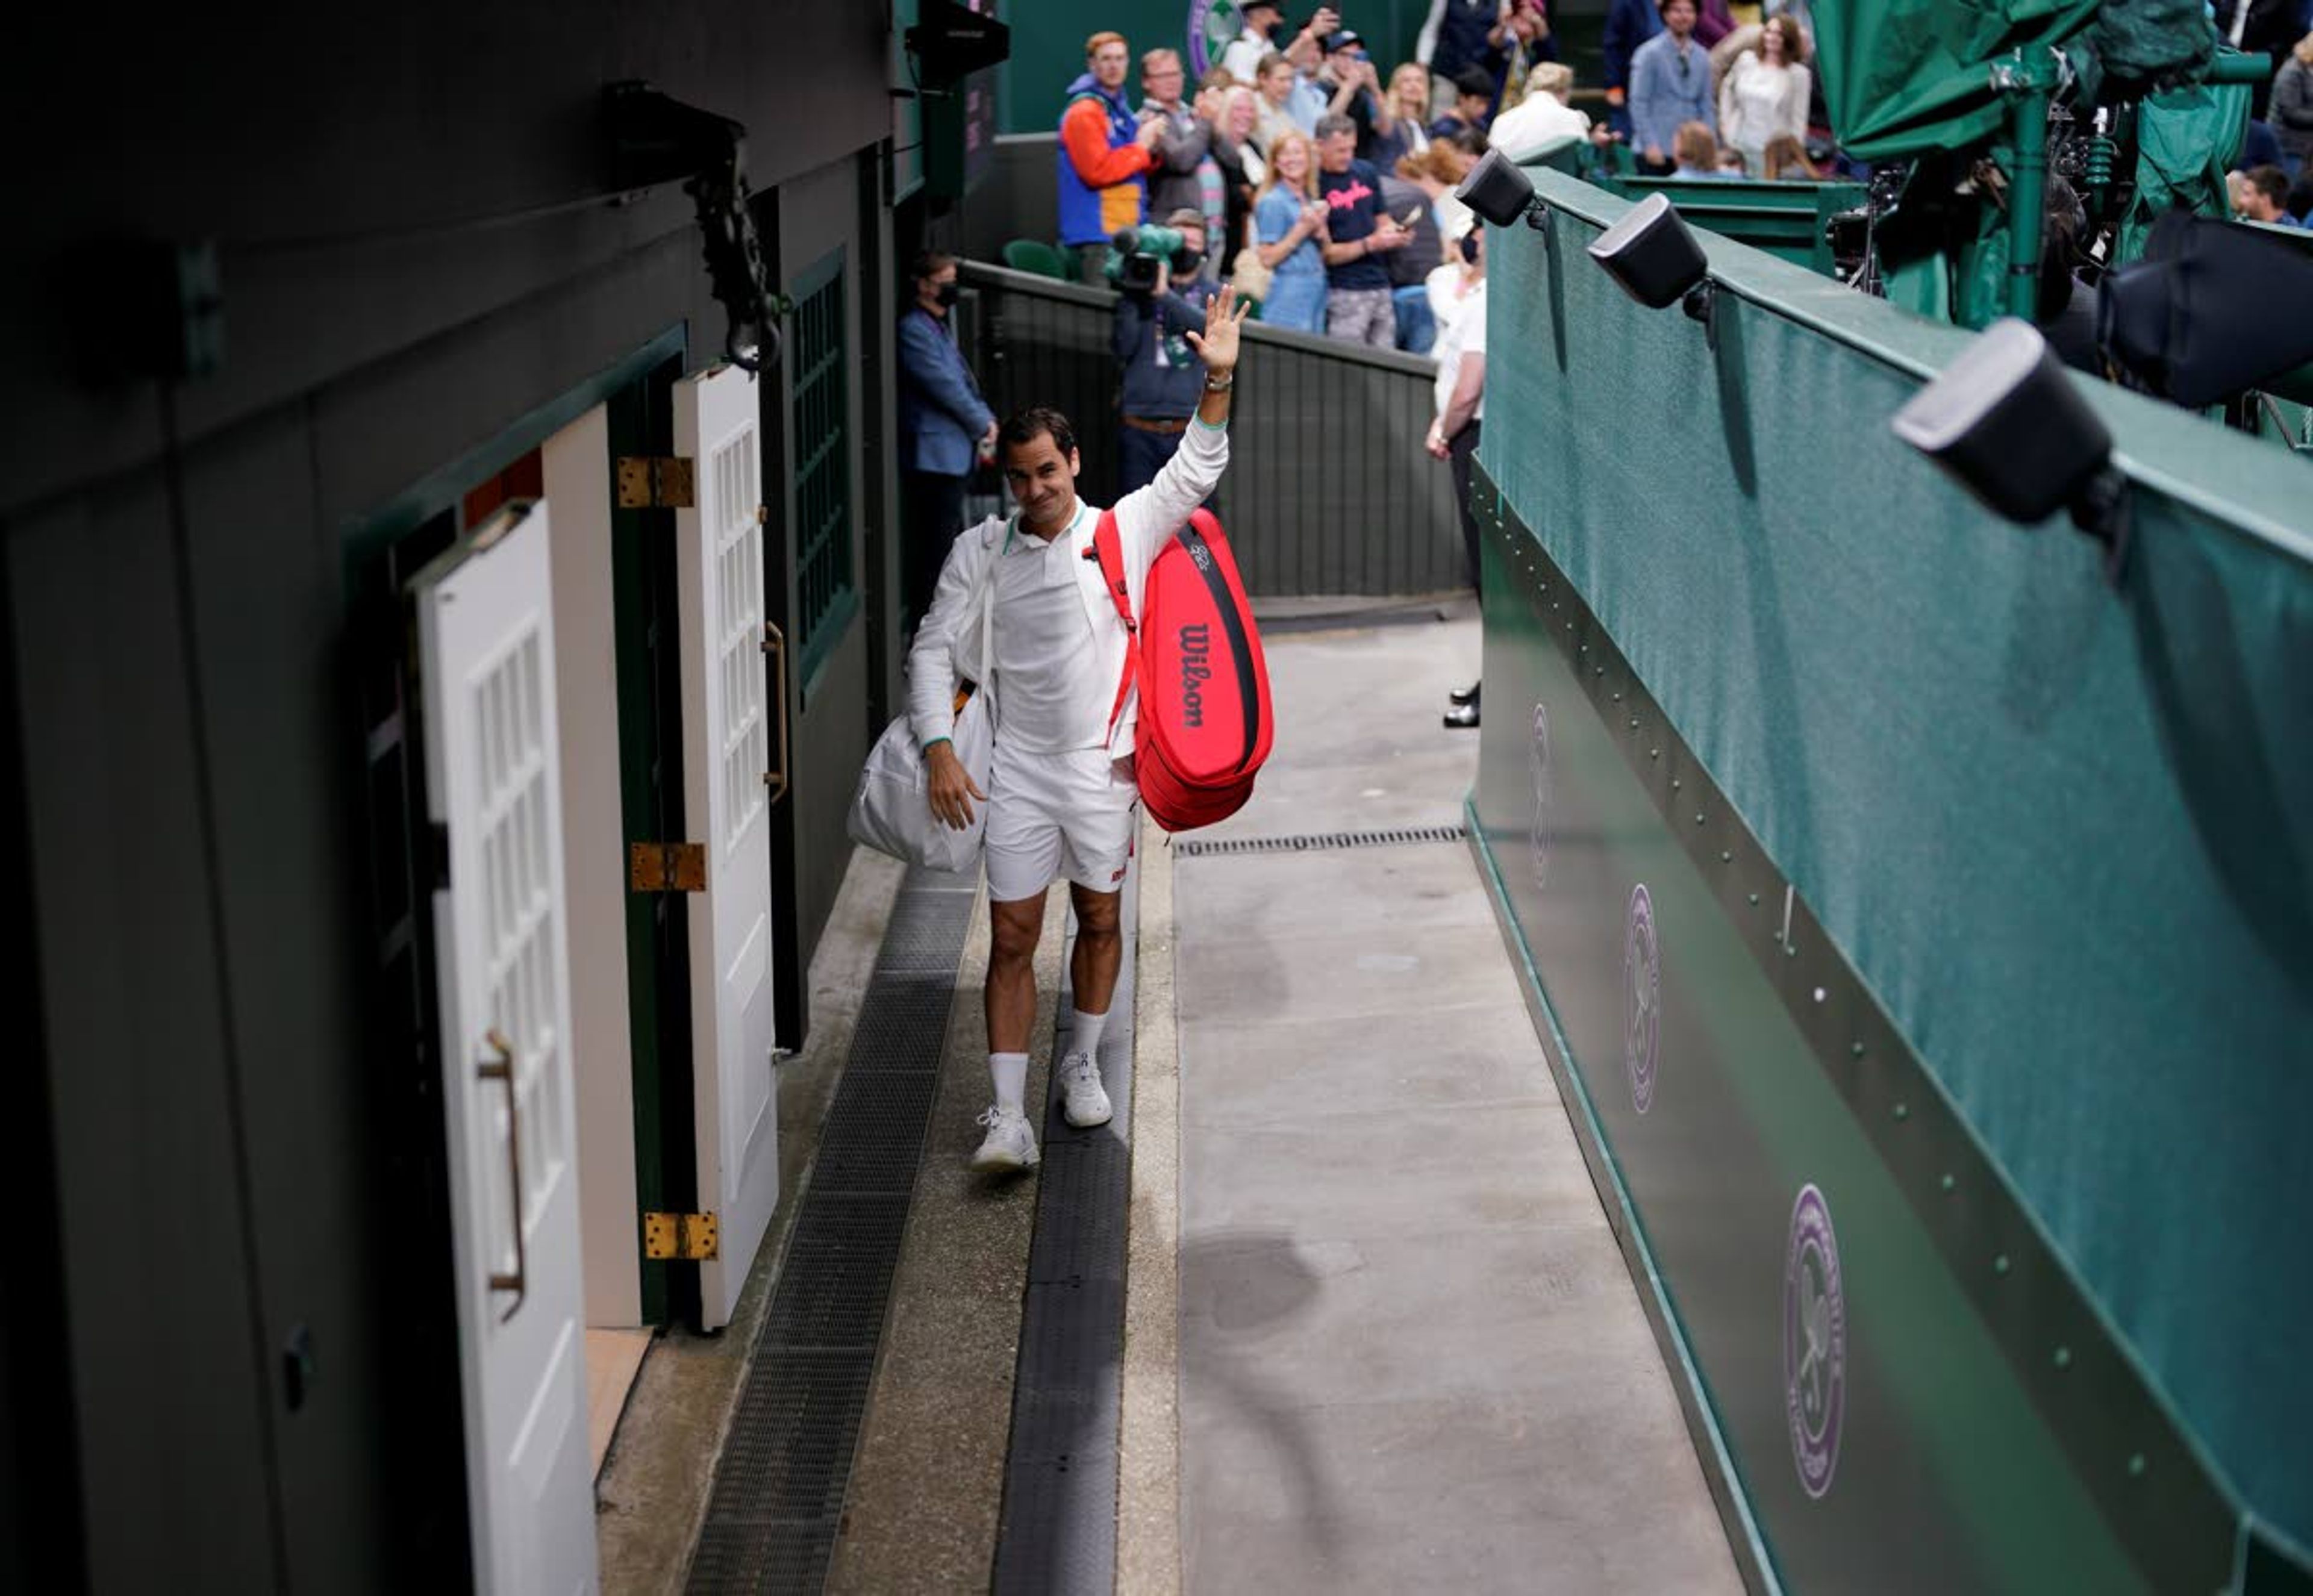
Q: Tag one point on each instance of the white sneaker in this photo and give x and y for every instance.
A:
(1010, 1144)
(1084, 1100)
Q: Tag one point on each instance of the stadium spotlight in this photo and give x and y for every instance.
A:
(1653, 255)
(2008, 424)
(1498, 191)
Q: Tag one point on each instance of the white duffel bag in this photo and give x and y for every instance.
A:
(892, 810)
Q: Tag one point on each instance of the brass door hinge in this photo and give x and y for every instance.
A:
(666, 867)
(692, 1236)
(654, 481)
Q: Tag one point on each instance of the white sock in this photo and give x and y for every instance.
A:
(1083, 1033)
(1010, 1071)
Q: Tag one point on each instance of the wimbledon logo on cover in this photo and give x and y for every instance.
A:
(1814, 1341)
(1641, 999)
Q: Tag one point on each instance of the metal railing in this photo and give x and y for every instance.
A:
(1328, 492)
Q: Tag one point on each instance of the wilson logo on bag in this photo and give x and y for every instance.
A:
(1205, 721)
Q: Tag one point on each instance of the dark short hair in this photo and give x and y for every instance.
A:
(2271, 181)
(1037, 421)
(1474, 82)
(928, 262)
(1331, 123)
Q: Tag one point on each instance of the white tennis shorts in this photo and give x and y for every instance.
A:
(1048, 815)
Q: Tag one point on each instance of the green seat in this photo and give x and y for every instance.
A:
(1034, 254)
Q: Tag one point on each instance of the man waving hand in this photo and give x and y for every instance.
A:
(1062, 799)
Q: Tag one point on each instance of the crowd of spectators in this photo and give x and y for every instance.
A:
(1380, 153)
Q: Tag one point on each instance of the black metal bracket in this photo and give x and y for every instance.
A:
(655, 138)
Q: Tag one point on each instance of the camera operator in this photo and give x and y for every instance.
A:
(1162, 377)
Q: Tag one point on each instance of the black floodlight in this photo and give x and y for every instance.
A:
(2008, 423)
(1653, 255)
(2211, 310)
(1498, 190)
(951, 41)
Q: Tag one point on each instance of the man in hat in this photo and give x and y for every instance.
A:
(1352, 87)
(1264, 27)
(1163, 378)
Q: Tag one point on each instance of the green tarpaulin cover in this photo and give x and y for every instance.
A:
(1905, 76)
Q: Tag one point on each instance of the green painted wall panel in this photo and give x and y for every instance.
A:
(2064, 833)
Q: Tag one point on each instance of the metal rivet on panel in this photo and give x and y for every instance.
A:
(1754, 899)
(1949, 1185)
(1903, 1111)
(2136, 1465)
(1726, 856)
(2063, 1359)
(1698, 819)
(1654, 753)
(1855, 1049)
(2000, 1264)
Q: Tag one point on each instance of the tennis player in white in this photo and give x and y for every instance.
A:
(1061, 798)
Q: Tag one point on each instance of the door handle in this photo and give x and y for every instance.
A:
(500, 1068)
(774, 643)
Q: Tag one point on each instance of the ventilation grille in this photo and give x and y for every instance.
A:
(1322, 841)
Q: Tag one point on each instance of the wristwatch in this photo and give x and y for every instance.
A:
(1223, 386)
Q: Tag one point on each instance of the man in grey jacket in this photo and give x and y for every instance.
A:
(1060, 798)
(1186, 138)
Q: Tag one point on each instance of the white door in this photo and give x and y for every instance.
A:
(726, 746)
(486, 628)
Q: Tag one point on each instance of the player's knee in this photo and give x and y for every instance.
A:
(1014, 935)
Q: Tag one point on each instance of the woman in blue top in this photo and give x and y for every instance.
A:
(1290, 221)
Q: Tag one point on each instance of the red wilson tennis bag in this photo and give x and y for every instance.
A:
(1205, 721)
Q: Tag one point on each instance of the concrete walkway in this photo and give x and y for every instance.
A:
(1409, 1355)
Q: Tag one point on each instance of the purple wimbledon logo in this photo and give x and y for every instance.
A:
(1538, 766)
(1642, 1000)
(1814, 1341)
(1212, 24)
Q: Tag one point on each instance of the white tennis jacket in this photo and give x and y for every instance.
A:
(946, 649)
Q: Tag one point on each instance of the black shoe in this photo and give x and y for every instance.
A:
(1461, 716)
(1468, 695)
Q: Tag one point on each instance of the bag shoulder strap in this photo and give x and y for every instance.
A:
(1108, 548)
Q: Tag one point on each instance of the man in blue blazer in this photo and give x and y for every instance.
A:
(944, 424)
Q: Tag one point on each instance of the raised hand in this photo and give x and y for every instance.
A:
(1217, 345)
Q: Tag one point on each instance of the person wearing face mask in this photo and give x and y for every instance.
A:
(944, 422)
(1264, 30)
(1163, 378)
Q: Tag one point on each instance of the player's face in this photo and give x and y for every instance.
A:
(1043, 479)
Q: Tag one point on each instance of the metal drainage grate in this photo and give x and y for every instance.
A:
(779, 1486)
(1322, 841)
(1057, 1527)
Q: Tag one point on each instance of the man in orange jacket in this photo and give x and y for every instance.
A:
(1104, 157)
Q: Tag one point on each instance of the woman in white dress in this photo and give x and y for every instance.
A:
(1765, 92)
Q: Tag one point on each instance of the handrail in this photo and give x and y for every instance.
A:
(2154, 443)
(982, 273)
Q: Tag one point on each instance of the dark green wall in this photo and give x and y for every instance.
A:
(208, 1080)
